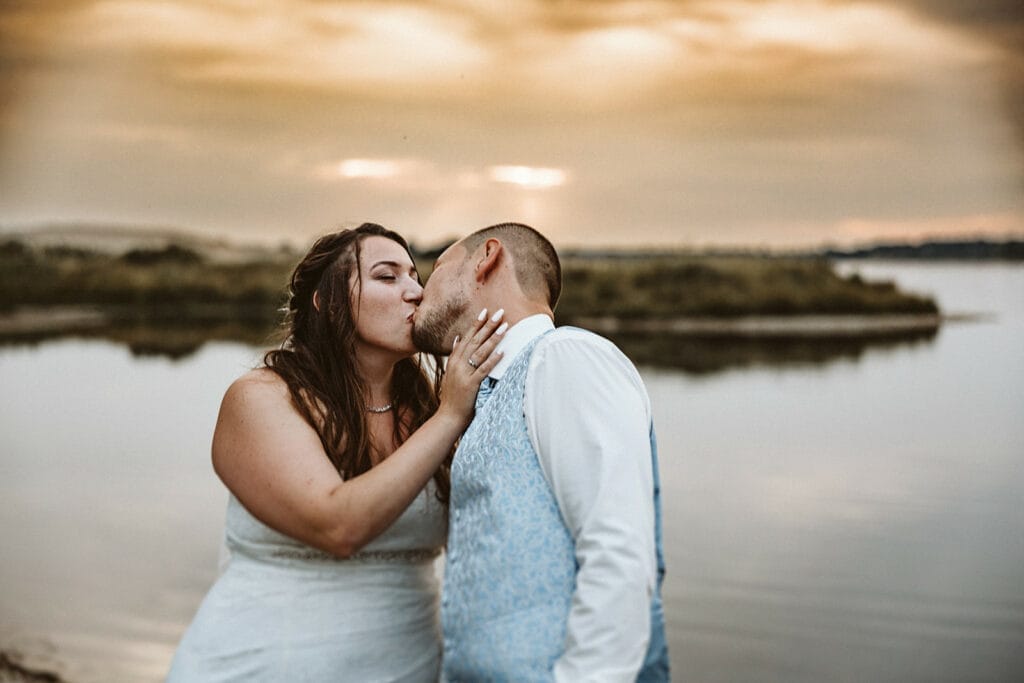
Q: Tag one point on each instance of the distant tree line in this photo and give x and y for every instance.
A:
(958, 250)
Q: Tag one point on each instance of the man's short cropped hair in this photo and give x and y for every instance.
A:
(537, 268)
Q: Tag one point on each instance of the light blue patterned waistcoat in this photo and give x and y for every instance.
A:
(511, 567)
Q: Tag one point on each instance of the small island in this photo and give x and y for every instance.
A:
(169, 293)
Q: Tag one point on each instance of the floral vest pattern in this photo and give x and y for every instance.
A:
(510, 570)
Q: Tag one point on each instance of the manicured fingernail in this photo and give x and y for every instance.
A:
(501, 328)
(497, 315)
(483, 314)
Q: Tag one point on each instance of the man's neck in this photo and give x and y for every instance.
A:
(519, 337)
(516, 311)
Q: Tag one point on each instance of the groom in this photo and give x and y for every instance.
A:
(554, 562)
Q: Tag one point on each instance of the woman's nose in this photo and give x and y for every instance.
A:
(414, 292)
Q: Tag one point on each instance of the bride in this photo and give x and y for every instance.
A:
(336, 455)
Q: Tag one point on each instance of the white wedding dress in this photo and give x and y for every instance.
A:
(283, 611)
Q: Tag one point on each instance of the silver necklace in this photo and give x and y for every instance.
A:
(383, 409)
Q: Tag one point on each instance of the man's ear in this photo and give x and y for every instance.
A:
(493, 253)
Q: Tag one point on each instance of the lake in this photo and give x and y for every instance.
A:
(847, 516)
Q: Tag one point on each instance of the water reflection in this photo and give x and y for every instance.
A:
(707, 355)
(849, 514)
(175, 340)
(692, 354)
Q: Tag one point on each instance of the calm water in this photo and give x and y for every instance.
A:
(853, 519)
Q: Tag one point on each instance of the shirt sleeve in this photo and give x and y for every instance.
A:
(588, 418)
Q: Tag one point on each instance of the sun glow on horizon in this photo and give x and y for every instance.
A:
(529, 177)
(371, 169)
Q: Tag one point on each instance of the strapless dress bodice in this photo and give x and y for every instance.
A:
(284, 611)
(417, 535)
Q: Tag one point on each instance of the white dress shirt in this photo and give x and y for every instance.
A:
(588, 418)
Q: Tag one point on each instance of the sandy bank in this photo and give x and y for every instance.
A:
(68, 319)
(804, 326)
(49, 320)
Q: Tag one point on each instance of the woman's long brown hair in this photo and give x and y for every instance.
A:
(317, 358)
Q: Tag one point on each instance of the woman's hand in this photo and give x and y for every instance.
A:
(470, 361)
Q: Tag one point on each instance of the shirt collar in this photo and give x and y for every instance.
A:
(517, 338)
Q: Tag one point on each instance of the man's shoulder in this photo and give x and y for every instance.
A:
(569, 341)
(573, 359)
(567, 335)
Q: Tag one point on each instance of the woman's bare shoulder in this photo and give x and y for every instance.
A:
(257, 415)
(261, 377)
(256, 391)
(259, 438)
(259, 382)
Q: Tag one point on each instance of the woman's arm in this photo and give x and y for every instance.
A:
(273, 461)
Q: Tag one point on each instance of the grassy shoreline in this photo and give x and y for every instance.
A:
(723, 287)
(697, 313)
(172, 298)
(656, 288)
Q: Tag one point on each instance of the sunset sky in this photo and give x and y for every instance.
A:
(612, 123)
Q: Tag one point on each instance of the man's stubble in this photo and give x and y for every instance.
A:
(432, 331)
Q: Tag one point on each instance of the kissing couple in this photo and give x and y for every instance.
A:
(355, 455)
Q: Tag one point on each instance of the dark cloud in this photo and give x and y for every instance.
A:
(988, 14)
(1000, 22)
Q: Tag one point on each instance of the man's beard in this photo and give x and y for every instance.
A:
(429, 333)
